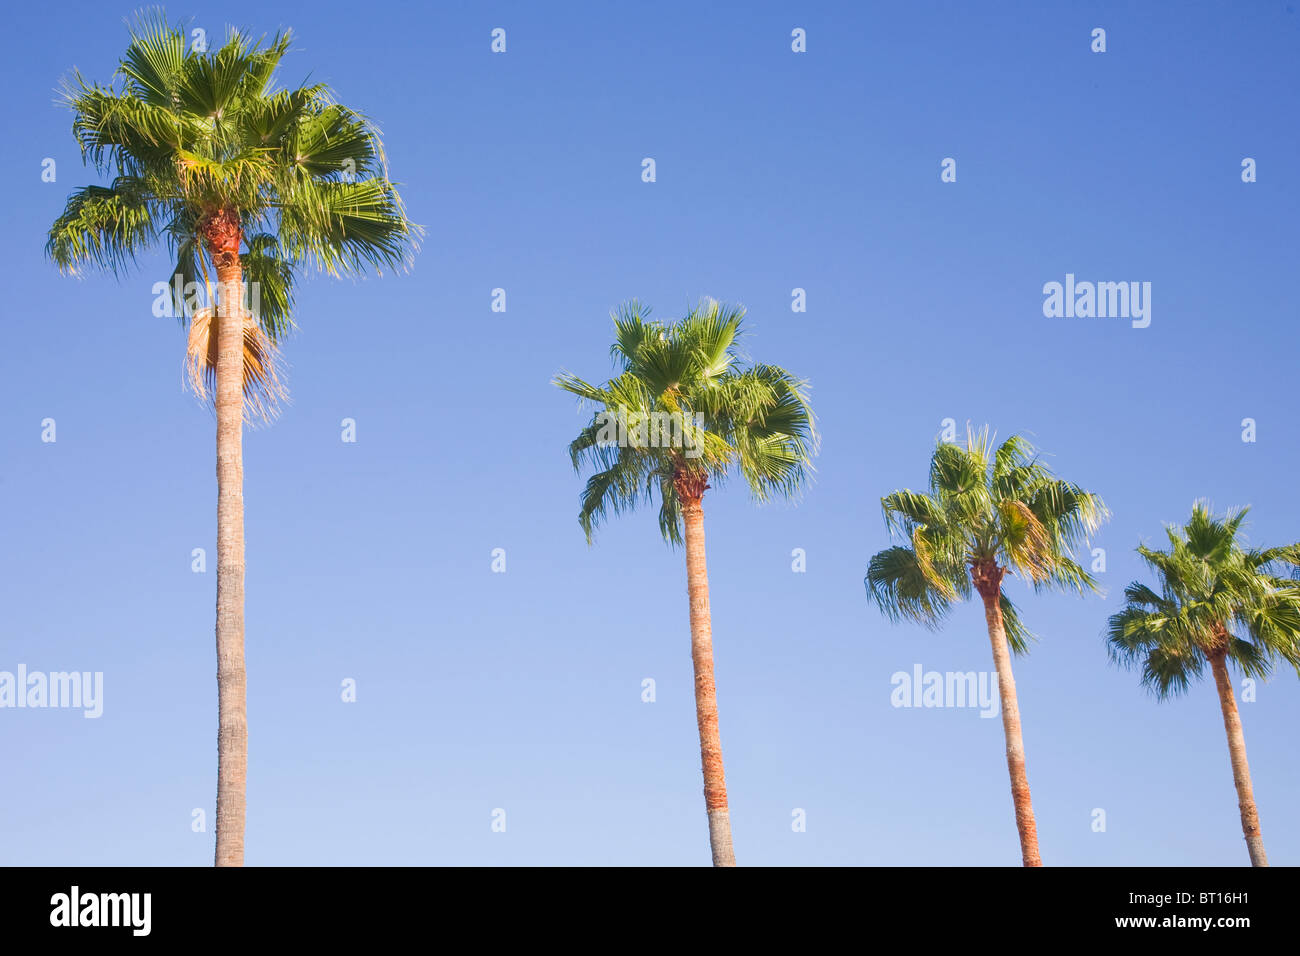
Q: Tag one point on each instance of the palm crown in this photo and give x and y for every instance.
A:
(208, 154)
(754, 419)
(988, 510)
(1216, 597)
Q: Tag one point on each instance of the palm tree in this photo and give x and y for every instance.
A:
(205, 153)
(1218, 602)
(684, 411)
(988, 512)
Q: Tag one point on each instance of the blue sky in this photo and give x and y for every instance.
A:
(522, 690)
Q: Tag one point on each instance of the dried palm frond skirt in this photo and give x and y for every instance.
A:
(263, 390)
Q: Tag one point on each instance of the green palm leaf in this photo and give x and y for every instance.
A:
(1217, 598)
(753, 421)
(994, 506)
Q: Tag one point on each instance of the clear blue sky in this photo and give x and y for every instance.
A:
(521, 690)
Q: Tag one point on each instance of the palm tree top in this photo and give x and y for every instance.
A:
(687, 375)
(205, 153)
(195, 141)
(1217, 596)
(989, 510)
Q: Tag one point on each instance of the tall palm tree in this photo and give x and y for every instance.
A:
(684, 411)
(988, 512)
(250, 182)
(1219, 602)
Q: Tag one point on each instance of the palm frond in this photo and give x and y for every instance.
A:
(105, 227)
(688, 407)
(899, 584)
(264, 392)
(195, 141)
(1216, 598)
(987, 506)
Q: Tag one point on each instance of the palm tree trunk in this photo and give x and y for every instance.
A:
(706, 695)
(1025, 824)
(232, 732)
(1240, 769)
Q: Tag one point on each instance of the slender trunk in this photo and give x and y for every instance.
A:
(706, 696)
(1240, 769)
(991, 592)
(232, 732)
